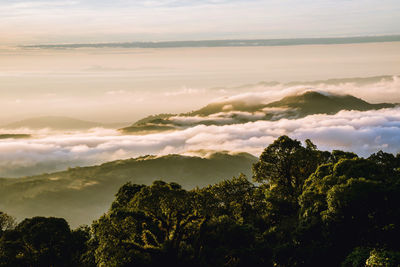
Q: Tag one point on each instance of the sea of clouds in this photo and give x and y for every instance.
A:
(361, 132)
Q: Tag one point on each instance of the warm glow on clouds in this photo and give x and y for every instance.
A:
(361, 132)
(76, 21)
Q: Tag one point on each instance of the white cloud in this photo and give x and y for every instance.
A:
(361, 132)
(185, 91)
(383, 90)
(42, 4)
(219, 118)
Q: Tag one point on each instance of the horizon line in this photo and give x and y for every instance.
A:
(226, 42)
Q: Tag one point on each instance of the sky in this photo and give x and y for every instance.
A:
(124, 85)
(80, 21)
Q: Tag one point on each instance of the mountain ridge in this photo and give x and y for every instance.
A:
(226, 42)
(82, 194)
(239, 111)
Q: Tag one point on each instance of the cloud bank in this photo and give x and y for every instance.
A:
(361, 132)
(375, 90)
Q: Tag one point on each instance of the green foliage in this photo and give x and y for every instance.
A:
(283, 168)
(232, 233)
(357, 258)
(285, 165)
(237, 198)
(226, 242)
(152, 223)
(368, 257)
(163, 223)
(81, 195)
(350, 204)
(6, 222)
(307, 208)
(43, 241)
(383, 258)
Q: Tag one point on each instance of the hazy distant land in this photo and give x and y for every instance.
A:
(83, 194)
(14, 136)
(58, 123)
(229, 43)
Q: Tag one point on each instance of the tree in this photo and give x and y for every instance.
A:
(307, 208)
(286, 164)
(82, 252)
(345, 205)
(357, 258)
(165, 224)
(283, 168)
(41, 241)
(236, 198)
(153, 225)
(45, 241)
(232, 233)
(383, 258)
(6, 222)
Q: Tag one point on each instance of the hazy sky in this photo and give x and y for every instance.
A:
(123, 85)
(74, 21)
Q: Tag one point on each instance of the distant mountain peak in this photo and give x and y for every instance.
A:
(238, 111)
(317, 102)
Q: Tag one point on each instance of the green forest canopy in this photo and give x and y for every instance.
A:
(305, 207)
(82, 194)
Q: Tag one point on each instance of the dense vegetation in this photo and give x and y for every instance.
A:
(82, 194)
(306, 207)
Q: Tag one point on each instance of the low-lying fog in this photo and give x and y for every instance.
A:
(124, 85)
(362, 132)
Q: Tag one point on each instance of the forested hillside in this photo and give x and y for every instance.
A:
(305, 207)
(239, 111)
(82, 194)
